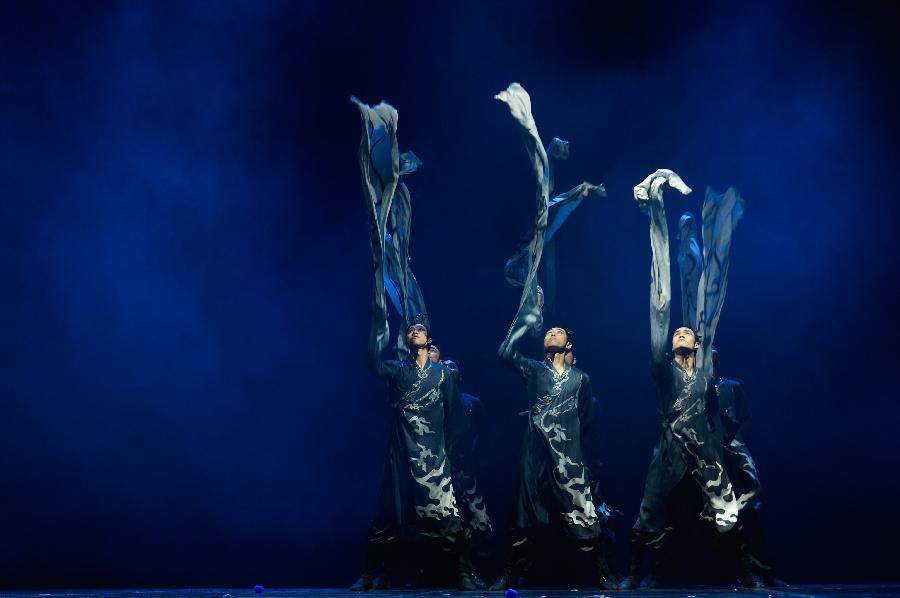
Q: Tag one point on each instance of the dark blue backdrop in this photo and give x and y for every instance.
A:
(187, 276)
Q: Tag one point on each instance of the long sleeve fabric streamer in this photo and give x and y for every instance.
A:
(519, 103)
(379, 166)
(399, 280)
(688, 443)
(416, 492)
(554, 483)
(721, 213)
(522, 267)
(690, 263)
(649, 195)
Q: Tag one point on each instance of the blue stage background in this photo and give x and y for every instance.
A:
(187, 277)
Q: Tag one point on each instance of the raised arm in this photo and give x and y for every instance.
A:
(378, 340)
(400, 281)
(690, 263)
(649, 195)
(511, 356)
(519, 103)
(379, 164)
(721, 213)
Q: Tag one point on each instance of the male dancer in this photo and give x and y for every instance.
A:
(416, 494)
(554, 484)
(687, 444)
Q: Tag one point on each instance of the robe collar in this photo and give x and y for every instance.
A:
(548, 362)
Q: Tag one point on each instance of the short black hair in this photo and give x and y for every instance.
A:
(419, 321)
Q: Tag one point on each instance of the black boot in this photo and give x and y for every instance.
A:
(638, 548)
(657, 578)
(605, 575)
(767, 573)
(378, 560)
(512, 576)
(518, 560)
(738, 543)
(464, 580)
(382, 581)
(363, 584)
(747, 577)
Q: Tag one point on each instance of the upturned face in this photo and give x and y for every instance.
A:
(417, 336)
(684, 340)
(434, 354)
(556, 340)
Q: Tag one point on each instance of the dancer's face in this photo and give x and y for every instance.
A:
(417, 336)
(434, 354)
(684, 340)
(556, 340)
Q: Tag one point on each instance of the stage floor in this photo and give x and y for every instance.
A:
(794, 591)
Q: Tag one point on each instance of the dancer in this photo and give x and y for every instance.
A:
(554, 486)
(684, 381)
(416, 495)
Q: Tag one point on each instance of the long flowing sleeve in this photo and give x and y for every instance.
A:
(400, 282)
(379, 166)
(378, 340)
(649, 195)
(660, 282)
(690, 263)
(721, 213)
(559, 208)
(511, 356)
(519, 103)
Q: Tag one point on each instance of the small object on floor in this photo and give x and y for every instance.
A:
(511, 593)
(258, 589)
